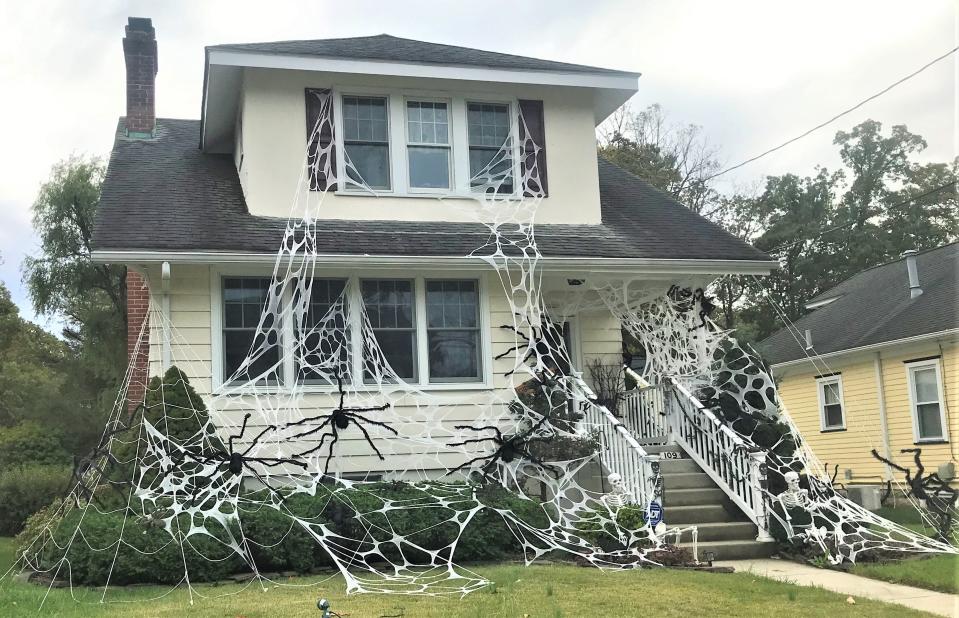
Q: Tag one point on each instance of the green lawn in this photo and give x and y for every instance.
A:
(548, 591)
(931, 571)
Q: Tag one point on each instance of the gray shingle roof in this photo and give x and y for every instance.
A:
(164, 194)
(384, 47)
(874, 306)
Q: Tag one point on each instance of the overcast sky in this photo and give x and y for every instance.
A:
(751, 73)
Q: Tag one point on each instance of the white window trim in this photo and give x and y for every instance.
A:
(911, 369)
(821, 384)
(459, 137)
(485, 382)
(451, 167)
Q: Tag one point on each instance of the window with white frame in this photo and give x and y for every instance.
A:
(366, 141)
(428, 330)
(925, 394)
(488, 128)
(428, 145)
(243, 302)
(453, 335)
(446, 146)
(832, 414)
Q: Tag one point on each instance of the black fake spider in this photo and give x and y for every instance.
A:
(508, 448)
(337, 420)
(543, 342)
(690, 298)
(97, 464)
(937, 493)
(236, 461)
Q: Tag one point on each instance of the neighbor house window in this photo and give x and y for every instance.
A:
(925, 393)
(490, 147)
(452, 325)
(832, 414)
(389, 306)
(428, 144)
(243, 301)
(324, 340)
(366, 139)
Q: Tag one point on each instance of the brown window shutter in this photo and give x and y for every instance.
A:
(534, 148)
(321, 153)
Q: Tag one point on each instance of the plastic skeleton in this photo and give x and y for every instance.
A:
(338, 420)
(795, 497)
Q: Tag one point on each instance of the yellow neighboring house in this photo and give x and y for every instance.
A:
(875, 365)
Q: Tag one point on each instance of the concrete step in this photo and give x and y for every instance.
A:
(670, 466)
(654, 449)
(721, 531)
(732, 550)
(695, 515)
(693, 497)
(688, 480)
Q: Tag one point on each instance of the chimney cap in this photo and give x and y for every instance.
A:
(137, 25)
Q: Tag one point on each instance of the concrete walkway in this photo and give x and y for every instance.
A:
(853, 585)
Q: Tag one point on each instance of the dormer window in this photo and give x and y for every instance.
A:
(428, 145)
(366, 140)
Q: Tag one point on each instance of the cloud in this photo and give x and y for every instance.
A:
(751, 73)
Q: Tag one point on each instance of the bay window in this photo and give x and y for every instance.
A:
(925, 395)
(366, 140)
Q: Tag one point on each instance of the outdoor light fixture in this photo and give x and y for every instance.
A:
(575, 282)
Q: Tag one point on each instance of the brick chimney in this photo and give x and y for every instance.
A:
(140, 54)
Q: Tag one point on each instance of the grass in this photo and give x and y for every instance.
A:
(550, 591)
(932, 572)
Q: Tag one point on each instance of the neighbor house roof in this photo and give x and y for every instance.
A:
(164, 194)
(386, 48)
(874, 307)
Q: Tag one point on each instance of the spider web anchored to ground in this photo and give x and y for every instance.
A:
(371, 473)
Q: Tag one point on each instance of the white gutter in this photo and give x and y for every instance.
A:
(883, 422)
(165, 309)
(871, 347)
(593, 265)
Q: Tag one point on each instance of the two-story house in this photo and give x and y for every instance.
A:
(196, 209)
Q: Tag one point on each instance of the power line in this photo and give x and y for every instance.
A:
(851, 223)
(837, 116)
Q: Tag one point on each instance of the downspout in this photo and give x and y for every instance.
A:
(165, 310)
(883, 422)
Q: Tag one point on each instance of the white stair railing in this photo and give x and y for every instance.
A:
(644, 411)
(737, 467)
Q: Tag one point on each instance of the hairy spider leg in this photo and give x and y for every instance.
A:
(242, 431)
(256, 440)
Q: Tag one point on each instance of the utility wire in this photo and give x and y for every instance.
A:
(951, 183)
(836, 117)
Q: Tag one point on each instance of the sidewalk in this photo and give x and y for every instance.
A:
(853, 585)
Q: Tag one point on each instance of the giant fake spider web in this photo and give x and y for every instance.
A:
(328, 419)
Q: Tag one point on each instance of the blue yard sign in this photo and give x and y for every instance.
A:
(654, 513)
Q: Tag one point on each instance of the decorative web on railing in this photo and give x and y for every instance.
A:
(298, 429)
(801, 496)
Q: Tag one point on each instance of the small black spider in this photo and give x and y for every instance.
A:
(508, 448)
(236, 461)
(337, 420)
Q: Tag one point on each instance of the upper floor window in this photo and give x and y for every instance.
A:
(490, 141)
(366, 141)
(925, 395)
(428, 144)
(831, 413)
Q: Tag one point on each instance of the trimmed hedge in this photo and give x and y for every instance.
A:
(25, 490)
(29, 444)
(277, 542)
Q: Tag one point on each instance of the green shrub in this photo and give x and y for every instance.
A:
(278, 543)
(30, 444)
(25, 490)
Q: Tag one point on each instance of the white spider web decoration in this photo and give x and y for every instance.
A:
(201, 471)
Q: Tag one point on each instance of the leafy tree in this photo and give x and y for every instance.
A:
(675, 158)
(63, 281)
(31, 362)
(923, 212)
